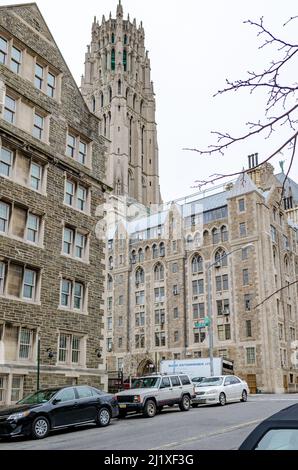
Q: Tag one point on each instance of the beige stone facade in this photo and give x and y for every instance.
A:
(117, 87)
(52, 165)
(157, 285)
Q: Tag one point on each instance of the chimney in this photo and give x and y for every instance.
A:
(253, 160)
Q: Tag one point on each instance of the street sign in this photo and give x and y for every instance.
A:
(202, 323)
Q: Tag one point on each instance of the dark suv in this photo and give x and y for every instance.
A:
(150, 393)
(56, 408)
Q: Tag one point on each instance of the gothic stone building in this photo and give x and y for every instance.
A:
(157, 285)
(52, 165)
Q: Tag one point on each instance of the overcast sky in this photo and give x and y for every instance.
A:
(193, 46)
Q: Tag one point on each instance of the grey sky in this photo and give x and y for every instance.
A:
(193, 46)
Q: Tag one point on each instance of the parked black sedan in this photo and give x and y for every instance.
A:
(56, 408)
(278, 432)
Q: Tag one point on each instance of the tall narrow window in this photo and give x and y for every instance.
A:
(71, 145)
(10, 109)
(6, 161)
(29, 284)
(93, 104)
(4, 216)
(38, 126)
(66, 293)
(101, 100)
(125, 39)
(38, 80)
(81, 198)
(67, 241)
(25, 345)
(2, 277)
(3, 50)
(69, 193)
(80, 245)
(119, 87)
(32, 228)
(82, 152)
(113, 59)
(125, 60)
(35, 176)
(51, 84)
(113, 38)
(15, 60)
(78, 296)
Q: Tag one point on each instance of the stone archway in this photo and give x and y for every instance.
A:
(146, 366)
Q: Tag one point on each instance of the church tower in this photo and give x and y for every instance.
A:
(118, 89)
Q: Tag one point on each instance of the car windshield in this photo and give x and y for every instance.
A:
(36, 398)
(211, 381)
(197, 379)
(146, 382)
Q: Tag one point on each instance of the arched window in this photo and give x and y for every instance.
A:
(215, 236)
(141, 255)
(130, 183)
(110, 282)
(141, 107)
(206, 237)
(274, 256)
(197, 264)
(140, 276)
(119, 87)
(113, 38)
(101, 100)
(113, 59)
(111, 262)
(220, 258)
(197, 240)
(104, 125)
(154, 251)
(125, 60)
(286, 263)
(159, 273)
(133, 257)
(134, 101)
(147, 252)
(93, 104)
(125, 39)
(110, 94)
(224, 233)
(106, 60)
(162, 250)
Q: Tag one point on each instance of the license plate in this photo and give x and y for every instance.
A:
(122, 406)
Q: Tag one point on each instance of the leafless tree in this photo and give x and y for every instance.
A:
(281, 102)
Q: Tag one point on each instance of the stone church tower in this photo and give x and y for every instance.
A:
(118, 89)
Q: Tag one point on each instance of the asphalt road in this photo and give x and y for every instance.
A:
(207, 427)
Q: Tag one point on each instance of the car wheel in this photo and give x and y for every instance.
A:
(40, 427)
(244, 396)
(222, 399)
(103, 417)
(184, 405)
(149, 409)
(195, 405)
(121, 414)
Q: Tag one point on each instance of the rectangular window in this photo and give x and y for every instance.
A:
(273, 233)
(176, 336)
(224, 332)
(159, 293)
(69, 193)
(10, 109)
(35, 176)
(51, 84)
(244, 253)
(39, 72)
(68, 241)
(176, 313)
(25, 343)
(16, 388)
(4, 216)
(247, 302)
(82, 153)
(250, 355)
(32, 228)
(2, 277)
(80, 245)
(109, 344)
(38, 126)
(6, 161)
(120, 342)
(241, 205)
(200, 336)
(15, 60)
(175, 290)
(121, 300)
(174, 267)
(198, 311)
(140, 319)
(140, 297)
(75, 349)
(3, 50)
(159, 317)
(72, 295)
(218, 283)
(245, 277)
(71, 146)
(242, 229)
(110, 303)
(81, 198)
(78, 296)
(66, 293)
(29, 284)
(198, 287)
(139, 341)
(225, 282)
(110, 323)
(160, 339)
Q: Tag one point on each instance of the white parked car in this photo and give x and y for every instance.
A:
(220, 389)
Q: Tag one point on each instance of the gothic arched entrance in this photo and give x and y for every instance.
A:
(146, 366)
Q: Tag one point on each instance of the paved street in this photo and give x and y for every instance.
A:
(207, 427)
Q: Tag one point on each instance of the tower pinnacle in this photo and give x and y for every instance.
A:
(119, 12)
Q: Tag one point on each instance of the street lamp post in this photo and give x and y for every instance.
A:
(209, 304)
(38, 364)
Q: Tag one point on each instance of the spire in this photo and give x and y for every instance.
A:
(119, 12)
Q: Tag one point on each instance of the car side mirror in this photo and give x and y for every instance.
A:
(56, 400)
